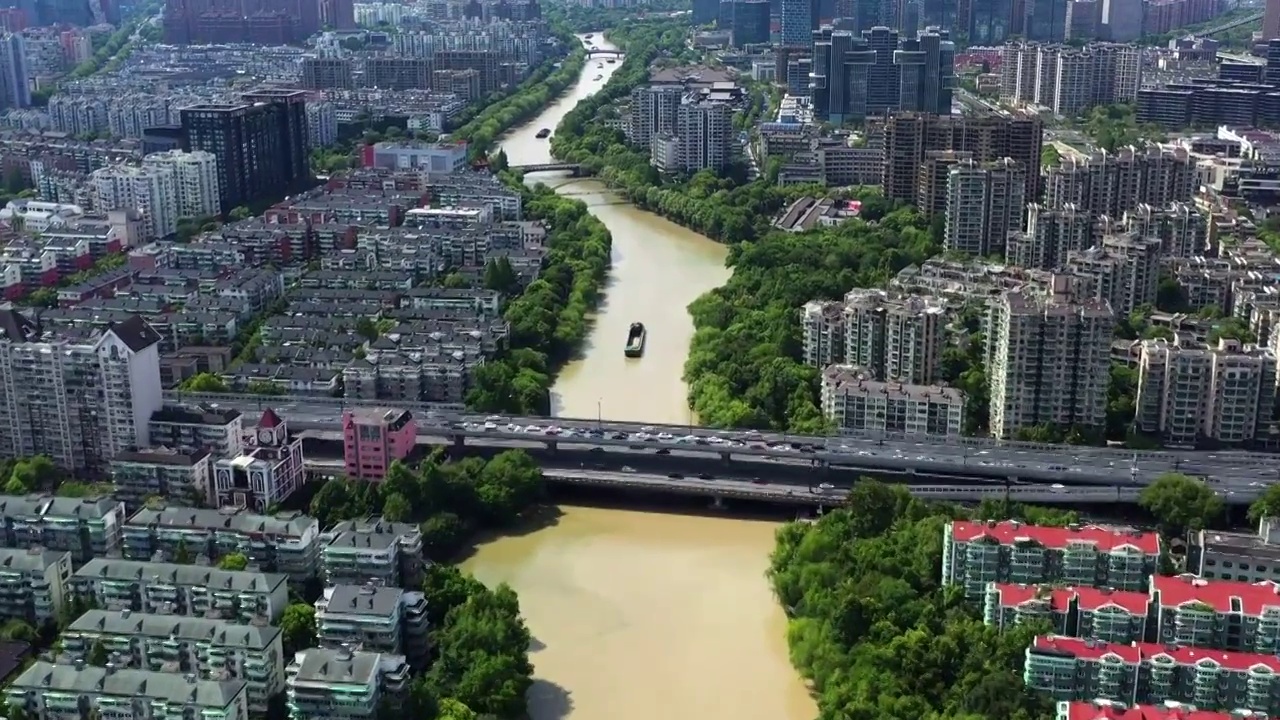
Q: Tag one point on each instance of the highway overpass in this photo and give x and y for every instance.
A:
(963, 458)
(799, 494)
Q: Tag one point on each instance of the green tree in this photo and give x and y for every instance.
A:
(234, 561)
(182, 554)
(239, 213)
(1181, 503)
(446, 587)
(298, 627)
(1267, 505)
(451, 709)
(204, 383)
(396, 508)
(98, 655)
(37, 473)
(443, 535)
(500, 276)
(367, 329)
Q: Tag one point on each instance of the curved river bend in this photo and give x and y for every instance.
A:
(639, 616)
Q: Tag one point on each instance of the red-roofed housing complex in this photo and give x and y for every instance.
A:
(1105, 710)
(1223, 614)
(1117, 616)
(1137, 673)
(975, 554)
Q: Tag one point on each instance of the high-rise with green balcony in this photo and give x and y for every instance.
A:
(977, 553)
(212, 649)
(85, 527)
(57, 692)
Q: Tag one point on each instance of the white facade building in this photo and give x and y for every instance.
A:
(151, 190)
(196, 176)
(81, 402)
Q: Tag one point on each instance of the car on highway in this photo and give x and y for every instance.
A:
(663, 451)
(706, 476)
(490, 426)
(675, 476)
(628, 469)
(758, 481)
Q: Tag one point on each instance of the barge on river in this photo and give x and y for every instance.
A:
(635, 340)
(543, 133)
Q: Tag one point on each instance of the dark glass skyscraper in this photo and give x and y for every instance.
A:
(705, 11)
(261, 144)
(750, 22)
(988, 21)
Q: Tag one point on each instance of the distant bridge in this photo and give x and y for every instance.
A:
(1252, 17)
(598, 52)
(573, 168)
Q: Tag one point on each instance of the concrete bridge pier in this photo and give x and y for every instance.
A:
(551, 445)
(717, 503)
(459, 442)
(726, 456)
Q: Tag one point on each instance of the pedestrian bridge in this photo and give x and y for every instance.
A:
(600, 52)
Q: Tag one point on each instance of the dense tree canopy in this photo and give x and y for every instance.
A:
(744, 367)
(1267, 504)
(298, 627)
(450, 499)
(875, 632)
(1181, 503)
(482, 648)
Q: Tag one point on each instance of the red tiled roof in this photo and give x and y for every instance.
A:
(1090, 711)
(1091, 598)
(1092, 650)
(1008, 532)
(1221, 595)
(1086, 649)
(269, 419)
(1013, 594)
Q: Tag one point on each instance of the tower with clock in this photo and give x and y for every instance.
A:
(270, 470)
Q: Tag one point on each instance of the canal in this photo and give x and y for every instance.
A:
(658, 269)
(639, 615)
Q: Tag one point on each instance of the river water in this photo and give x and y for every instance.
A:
(643, 616)
(658, 269)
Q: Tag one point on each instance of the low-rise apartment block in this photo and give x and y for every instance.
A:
(1103, 614)
(85, 527)
(356, 552)
(33, 583)
(326, 683)
(1246, 557)
(1074, 669)
(287, 542)
(220, 431)
(377, 619)
(853, 400)
(47, 692)
(190, 590)
(180, 477)
(211, 649)
(975, 554)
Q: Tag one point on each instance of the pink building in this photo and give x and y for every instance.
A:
(373, 438)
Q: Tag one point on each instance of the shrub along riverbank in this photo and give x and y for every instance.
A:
(874, 630)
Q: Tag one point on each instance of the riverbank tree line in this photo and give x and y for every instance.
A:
(449, 499)
(549, 320)
(744, 368)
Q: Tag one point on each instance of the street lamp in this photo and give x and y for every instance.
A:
(599, 414)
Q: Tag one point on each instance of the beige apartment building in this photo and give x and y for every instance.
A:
(894, 337)
(1190, 392)
(1049, 360)
(853, 400)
